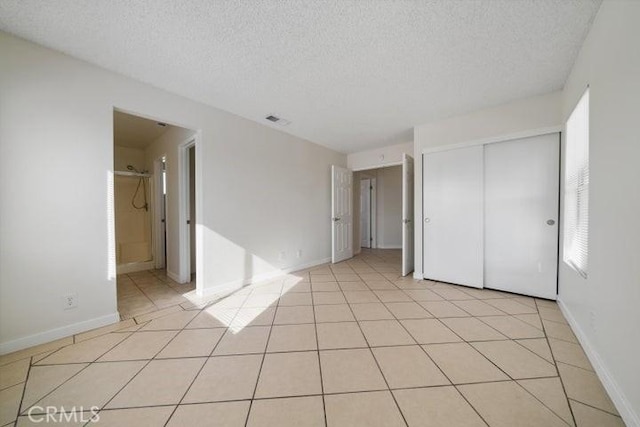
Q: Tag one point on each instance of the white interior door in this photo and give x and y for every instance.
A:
(365, 213)
(341, 214)
(521, 215)
(453, 216)
(407, 214)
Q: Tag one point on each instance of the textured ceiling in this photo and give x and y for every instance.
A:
(135, 132)
(348, 74)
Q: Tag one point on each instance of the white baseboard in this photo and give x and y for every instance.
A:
(621, 403)
(134, 267)
(237, 284)
(173, 276)
(390, 246)
(57, 333)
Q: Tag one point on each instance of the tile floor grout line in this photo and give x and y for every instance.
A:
(591, 371)
(329, 394)
(395, 401)
(148, 361)
(54, 389)
(421, 346)
(202, 310)
(593, 407)
(206, 357)
(178, 331)
(264, 354)
(457, 389)
(511, 379)
(470, 342)
(24, 390)
(142, 292)
(38, 363)
(555, 364)
(539, 400)
(136, 374)
(377, 293)
(315, 327)
(480, 318)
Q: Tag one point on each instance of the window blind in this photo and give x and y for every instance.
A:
(576, 188)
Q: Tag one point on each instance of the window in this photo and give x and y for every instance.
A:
(576, 188)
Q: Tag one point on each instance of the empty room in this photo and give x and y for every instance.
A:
(320, 213)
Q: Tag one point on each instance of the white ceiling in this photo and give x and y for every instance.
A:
(349, 74)
(135, 132)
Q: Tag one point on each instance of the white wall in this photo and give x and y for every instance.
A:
(124, 156)
(515, 119)
(605, 308)
(263, 191)
(379, 157)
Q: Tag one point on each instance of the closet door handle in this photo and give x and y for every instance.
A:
(550, 222)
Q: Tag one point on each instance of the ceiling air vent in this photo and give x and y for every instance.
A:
(278, 120)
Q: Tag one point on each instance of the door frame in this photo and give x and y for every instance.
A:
(373, 213)
(408, 215)
(184, 257)
(159, 229)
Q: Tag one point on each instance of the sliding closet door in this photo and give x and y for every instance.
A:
(453, 216)
(521, 215)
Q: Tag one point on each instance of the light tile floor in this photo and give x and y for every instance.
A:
(351, 344)
(148, 291)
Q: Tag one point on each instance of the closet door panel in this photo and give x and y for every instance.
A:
(521, 215)
(453, 216)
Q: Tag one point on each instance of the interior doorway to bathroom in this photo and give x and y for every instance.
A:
(154, 204)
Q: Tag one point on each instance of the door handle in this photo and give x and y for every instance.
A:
(406, 221)
(335, 219)
(427, 220)
(550, 222)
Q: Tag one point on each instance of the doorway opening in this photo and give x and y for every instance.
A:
(148, 194)
(368, 211)
(373, 209)
(378, 208)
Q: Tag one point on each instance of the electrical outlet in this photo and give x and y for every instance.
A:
(70, 301)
